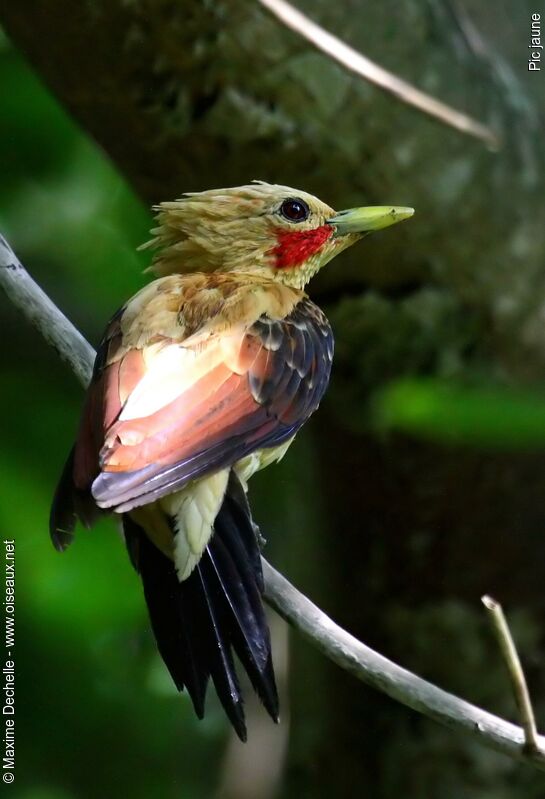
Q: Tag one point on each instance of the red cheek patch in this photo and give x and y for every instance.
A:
(295, 247)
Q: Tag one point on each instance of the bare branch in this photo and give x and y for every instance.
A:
(367, 69)
(516, 673)
(57, 330)
(393, 680)
(330, 639)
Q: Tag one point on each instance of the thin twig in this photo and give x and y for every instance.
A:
(367, 69)
(516, 673)
(330, 639)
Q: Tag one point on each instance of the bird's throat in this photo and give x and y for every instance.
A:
(294, 248)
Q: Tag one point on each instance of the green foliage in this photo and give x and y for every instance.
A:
(420, 365)
(97, 714)
(455, 414)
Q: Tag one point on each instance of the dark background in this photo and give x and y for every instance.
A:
(419, 484)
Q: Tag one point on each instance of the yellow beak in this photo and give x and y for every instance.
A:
(365, 220)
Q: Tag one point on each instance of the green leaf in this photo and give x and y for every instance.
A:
(481, 417)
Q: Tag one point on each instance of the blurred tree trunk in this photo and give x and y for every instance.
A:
(404, 536)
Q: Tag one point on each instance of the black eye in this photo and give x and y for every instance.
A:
(295, 210)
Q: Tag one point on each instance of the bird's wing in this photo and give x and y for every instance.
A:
(171, 411)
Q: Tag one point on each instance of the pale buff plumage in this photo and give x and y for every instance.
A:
(229, 232)
(194, 510)
(202, 379)
(232, 230)
(184, 305)
(190, 322)
(206, 323)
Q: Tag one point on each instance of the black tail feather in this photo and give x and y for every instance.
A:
(217, 611)
(248, 532)
(70, 504)
(233, 571)
(171, 624)
(63, 516)
(222, 667)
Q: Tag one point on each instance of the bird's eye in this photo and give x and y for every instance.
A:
(295, 210)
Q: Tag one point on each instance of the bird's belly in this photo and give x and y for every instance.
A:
(193, 511)
(194, 508)
(260, 459)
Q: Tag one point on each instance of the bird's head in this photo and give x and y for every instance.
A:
(283, 233)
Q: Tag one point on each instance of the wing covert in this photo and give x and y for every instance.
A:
(248, 390)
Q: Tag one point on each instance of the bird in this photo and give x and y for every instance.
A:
(203, 378)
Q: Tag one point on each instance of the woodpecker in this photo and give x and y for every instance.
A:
(203, 378)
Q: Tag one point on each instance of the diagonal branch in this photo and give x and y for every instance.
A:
(330, 639)
(361, 65)
(44, 314)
